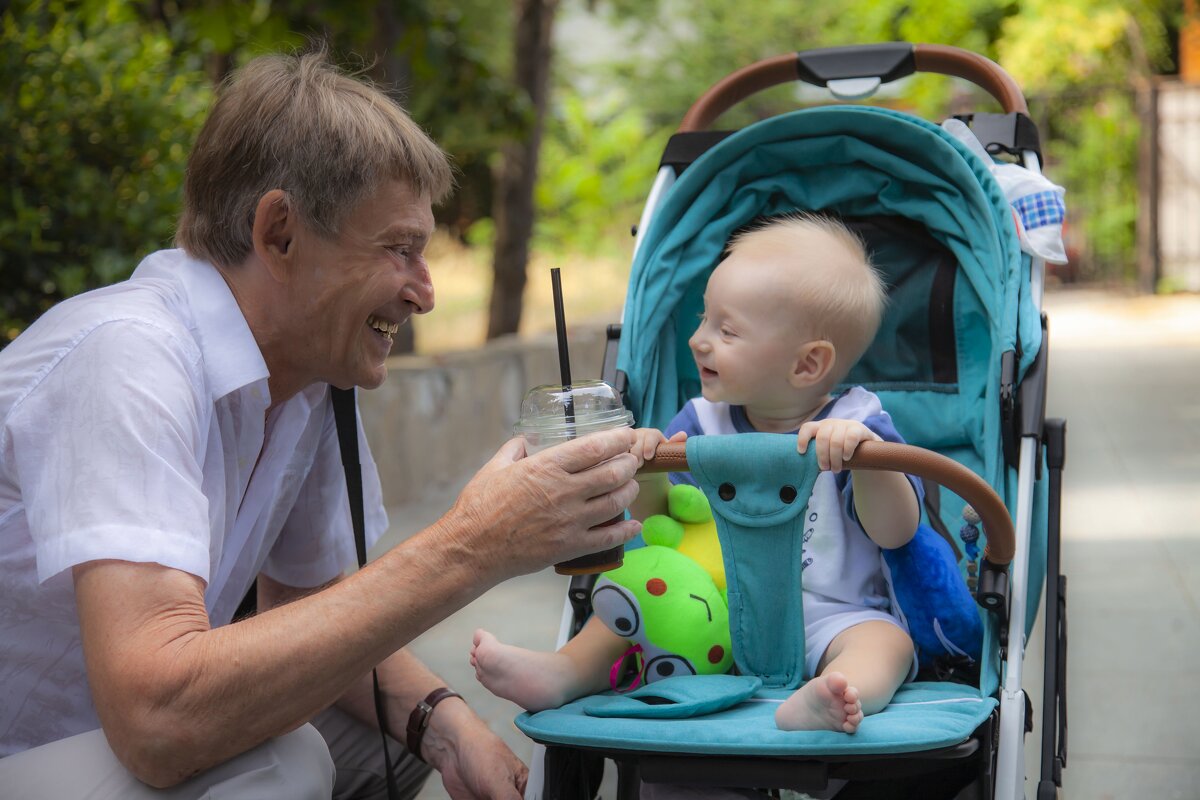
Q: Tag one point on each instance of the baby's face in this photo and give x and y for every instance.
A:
(748, 338)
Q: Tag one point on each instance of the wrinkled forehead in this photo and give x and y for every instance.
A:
(394, 211)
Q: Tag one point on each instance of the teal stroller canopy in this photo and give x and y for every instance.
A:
(856, 162)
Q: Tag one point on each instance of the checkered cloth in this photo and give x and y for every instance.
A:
(1040, 209)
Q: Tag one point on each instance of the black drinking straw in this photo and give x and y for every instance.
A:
(564, 359)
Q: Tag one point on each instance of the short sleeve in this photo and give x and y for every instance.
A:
(107, 449)
(882, 426)
(316, 543)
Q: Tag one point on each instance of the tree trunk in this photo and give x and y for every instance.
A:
(392, 72)
(513, 204)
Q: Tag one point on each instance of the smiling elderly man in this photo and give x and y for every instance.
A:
(167, 440)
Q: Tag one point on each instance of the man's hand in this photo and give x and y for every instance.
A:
(475, 764)
(521, 513)
(835, 440)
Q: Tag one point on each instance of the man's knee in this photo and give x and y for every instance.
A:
(304, 767)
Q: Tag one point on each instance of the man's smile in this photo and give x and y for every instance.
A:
(383, 327)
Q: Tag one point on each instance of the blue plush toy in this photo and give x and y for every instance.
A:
(943, 619)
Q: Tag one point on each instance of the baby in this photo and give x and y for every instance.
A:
(786, 314)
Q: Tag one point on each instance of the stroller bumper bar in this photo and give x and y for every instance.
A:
(890, 456)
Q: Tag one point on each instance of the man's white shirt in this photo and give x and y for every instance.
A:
(134, 426)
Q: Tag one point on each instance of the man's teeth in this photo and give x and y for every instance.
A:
(386, 328)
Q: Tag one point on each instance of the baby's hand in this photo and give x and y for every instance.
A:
(836, 440)
(647, 440)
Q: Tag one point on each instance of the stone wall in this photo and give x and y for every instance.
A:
(437, 419)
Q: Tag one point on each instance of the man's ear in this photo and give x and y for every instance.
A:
(814, 363)
(273, 233)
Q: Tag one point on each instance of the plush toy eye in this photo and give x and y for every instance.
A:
(617, 610)
(726, 491)
(667, 667)
(787, 494)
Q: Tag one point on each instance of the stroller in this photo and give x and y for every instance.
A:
(960, 362)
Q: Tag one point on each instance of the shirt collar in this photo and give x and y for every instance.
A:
(741, 423)
(232, 359)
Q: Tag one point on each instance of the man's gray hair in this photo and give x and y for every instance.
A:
(298, 123)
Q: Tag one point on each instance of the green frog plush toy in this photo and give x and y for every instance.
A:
(668, 598)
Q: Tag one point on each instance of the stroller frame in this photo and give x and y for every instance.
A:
(996, 749)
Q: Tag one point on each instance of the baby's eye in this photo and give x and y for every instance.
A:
(727, 332)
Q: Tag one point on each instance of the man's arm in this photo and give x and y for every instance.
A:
(457, 742)
(176, 696)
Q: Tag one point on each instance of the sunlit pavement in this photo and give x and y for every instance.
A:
(1125, 373)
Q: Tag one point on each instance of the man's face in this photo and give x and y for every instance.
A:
(352, 292)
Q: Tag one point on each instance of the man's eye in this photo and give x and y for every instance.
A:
(401, 250)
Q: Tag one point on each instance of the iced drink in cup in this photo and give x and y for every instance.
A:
(553, 414)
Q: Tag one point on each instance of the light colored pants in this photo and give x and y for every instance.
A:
(299, 766)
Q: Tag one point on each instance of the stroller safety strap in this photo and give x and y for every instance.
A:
(758, 486)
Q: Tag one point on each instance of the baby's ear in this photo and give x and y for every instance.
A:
(814, 362)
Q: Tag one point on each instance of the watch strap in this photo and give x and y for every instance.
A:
(418, 720)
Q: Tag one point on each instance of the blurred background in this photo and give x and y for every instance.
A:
(555, 112)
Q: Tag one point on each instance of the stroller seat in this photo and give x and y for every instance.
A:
(761, 536)
(922, 716)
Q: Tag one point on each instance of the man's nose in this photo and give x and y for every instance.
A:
(418, 293)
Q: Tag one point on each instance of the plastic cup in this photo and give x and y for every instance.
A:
(552, 415)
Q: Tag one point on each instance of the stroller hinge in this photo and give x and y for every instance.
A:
(992, 593)
(1008, 406)
(579, 595)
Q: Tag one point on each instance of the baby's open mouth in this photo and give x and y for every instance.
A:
(383, 327)
(705, 372)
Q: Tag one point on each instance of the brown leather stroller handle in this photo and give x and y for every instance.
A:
(942, 59)
(931, 58)
(893, 457)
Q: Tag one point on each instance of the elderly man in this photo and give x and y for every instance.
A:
(167, 440)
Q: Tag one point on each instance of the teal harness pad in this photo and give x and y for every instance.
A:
(758, 486)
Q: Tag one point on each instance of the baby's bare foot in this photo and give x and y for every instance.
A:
(827, 702)
(533, 680)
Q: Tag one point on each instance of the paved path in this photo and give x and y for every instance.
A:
(1125, 372)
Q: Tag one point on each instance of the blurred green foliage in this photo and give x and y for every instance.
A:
(597, 161)
(97, 117)
(102, 98)
(1080, 63)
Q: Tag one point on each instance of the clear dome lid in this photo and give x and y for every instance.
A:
(585, 406)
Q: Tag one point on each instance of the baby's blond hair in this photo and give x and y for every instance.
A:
(839, 296)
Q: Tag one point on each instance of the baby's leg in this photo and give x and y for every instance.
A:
(536, 680)
(862, 668)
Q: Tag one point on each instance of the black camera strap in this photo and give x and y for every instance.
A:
(345, 416)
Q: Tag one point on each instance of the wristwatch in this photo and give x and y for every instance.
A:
(418, 720)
